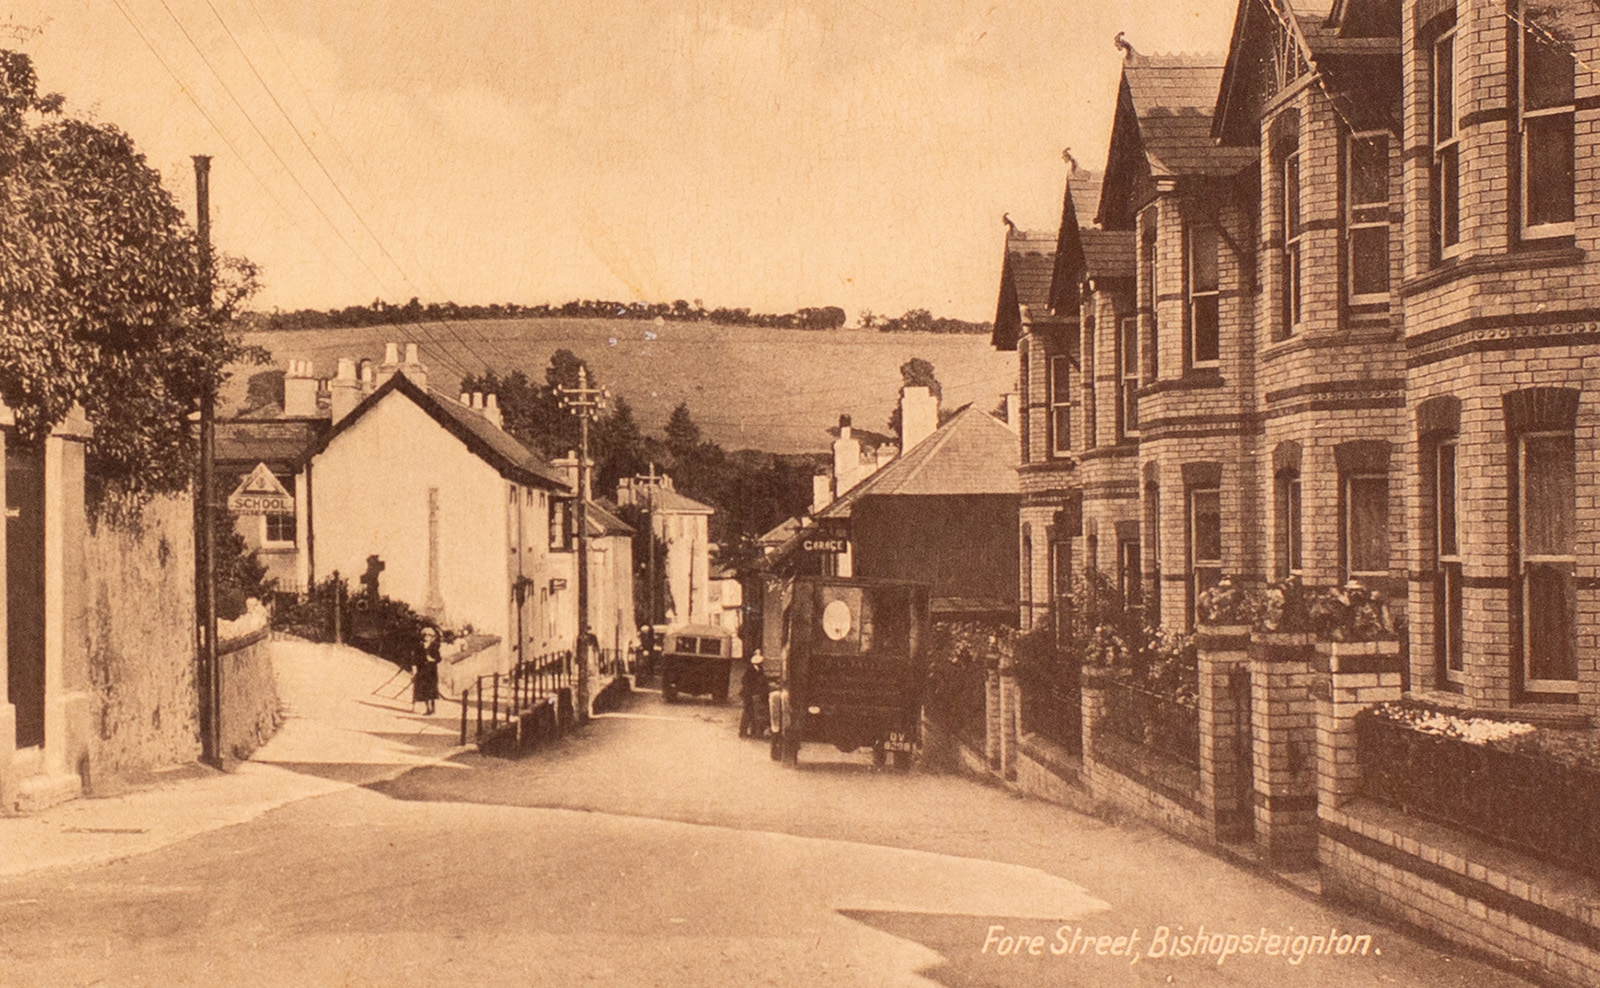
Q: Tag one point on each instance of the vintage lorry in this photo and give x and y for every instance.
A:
(855, 668)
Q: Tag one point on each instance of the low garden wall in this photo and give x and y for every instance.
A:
(251, 713)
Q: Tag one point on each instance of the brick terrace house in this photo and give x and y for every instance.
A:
(1291, 347)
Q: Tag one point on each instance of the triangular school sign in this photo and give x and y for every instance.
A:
(261, 494)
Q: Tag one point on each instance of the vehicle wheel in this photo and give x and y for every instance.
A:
(879, 756)
(776, 747)
(902, 761)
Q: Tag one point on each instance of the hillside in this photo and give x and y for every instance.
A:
(747, 387)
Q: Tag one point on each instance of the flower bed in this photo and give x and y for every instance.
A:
(1483, 777)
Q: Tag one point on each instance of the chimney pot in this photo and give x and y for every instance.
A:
(411, 353)
(391, 353)
(477, 399)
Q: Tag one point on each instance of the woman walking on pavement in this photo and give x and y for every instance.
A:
(425, 681)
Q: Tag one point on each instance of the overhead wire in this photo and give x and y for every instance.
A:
(237, 153)
(290, 172)
(334, 182)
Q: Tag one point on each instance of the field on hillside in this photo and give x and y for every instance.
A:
(773, 389)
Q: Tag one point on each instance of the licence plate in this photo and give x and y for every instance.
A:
(897, 742)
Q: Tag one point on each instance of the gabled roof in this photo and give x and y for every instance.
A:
(973, 453)
(1109, 253)
(1327, 33)
(483, 438)
(780, 533)
(280, 443)
(1024, 282)
(1163, 128)
(600, 519)
(665, 499)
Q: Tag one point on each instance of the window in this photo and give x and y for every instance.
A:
(1091, 425)
(1205, 543)
(1147, 288)
(1130, 573)
(1026, 575)
(1289, 263)
(560, 525)
(1546, 111)
(1290, 554)
(1366, 525)
(1027, 399)
(1446, 168)
(280, 529)
(1447, 639)
(1128, 377)
(1204, 345)
(1060, 405)
(1152, 524)
(1367, 216)
(1548, 499)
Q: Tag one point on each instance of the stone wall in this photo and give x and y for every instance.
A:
(250, 708)
(142, 706)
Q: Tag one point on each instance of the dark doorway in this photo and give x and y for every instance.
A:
(25, 589)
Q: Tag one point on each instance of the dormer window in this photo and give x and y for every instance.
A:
(1446, 170)
(1546, 105)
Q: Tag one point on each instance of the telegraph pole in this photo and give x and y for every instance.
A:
(210, 669)
(584, 402)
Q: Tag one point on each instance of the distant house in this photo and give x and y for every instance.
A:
(278, 443)
(459, 519)
(943, 513)
(683, 524)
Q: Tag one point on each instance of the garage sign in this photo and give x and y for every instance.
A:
(261, 494)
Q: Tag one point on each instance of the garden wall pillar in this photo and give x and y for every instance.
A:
(992, 712)
(1284, 763)
(1360, 675)
(1226, 778)
(1010, 714)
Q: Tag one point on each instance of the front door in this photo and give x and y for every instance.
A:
(25, 589)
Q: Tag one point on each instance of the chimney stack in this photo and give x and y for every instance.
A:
(344, 391)
(299, 390)
(821, 492)
(919, 416)
(491, 411)
(391, 362)
(477, 401)
(846, 458)
(413, 368)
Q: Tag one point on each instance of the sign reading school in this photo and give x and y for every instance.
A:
(260, 494)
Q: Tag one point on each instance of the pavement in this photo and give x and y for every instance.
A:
(347, 722)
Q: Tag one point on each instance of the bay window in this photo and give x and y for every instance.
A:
(1205, 543)
(1367, 216)
(1448, 637)
(1128, 378)
(1366, 525)
(1547, 499)
(1446, 165)
(1060, 406)
(1545, 107)
(1204, 345)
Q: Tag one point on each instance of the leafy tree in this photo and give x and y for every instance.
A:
(99, 284)
(683, 436)
(915, 373)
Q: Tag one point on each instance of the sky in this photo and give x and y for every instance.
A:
(770, 155)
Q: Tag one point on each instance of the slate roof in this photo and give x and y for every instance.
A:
(278, 442)
(1025, 277)
(973, 453)
(1109, 253)
(669, 500)
(780, 533)
(488, 442)
(1174, 96)
(600, 519)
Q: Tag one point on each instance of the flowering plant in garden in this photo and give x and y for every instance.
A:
(1171, 665)
(1283, 607)
(1228, 603)
(1472, 730)
(1351, 613)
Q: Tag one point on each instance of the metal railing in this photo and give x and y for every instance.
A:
(499, 699)
(1153, 720)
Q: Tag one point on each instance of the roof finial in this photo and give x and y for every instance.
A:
(1010, 226)
(1128, 54)
(1072, 163)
